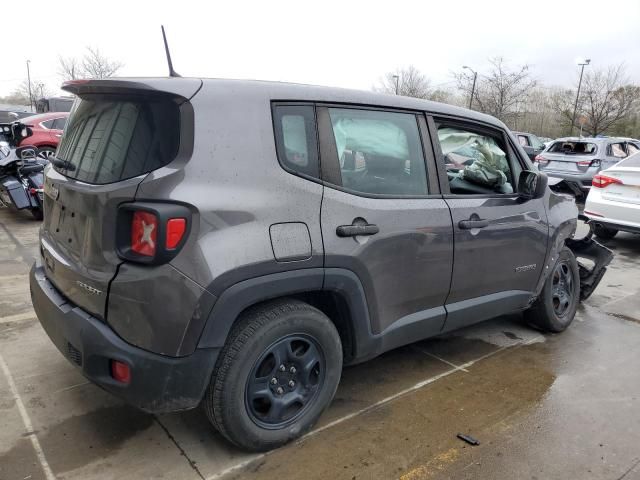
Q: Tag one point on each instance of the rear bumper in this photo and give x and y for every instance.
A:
(616, 226)
(612, 214)
(581, 181)
(158, 383)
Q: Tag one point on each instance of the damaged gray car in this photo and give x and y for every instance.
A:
(234, 244)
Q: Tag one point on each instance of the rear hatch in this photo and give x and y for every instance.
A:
(117, 133)
(569, 157)
(627, 172)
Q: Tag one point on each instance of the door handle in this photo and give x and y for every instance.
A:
(469, 224)
(357, 230)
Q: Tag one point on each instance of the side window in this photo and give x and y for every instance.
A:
(296, 140)
(617, 150)
(379, 152)
(48, 124)
(523, 141)
(632, 148)
(59, 123)
(476, 161)
(536, 142)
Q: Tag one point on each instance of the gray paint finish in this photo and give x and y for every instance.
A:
(252, 219)
(406, 267)
(290, 241)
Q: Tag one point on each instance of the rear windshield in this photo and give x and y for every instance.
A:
(108, 140)
(574, 148)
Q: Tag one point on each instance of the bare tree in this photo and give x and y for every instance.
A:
(502, 92)
(20, 94)
(92, 65)
(606, 99)
(410, 83)
(69, 68)
(96, 65)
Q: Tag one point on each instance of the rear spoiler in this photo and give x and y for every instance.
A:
(181, 87)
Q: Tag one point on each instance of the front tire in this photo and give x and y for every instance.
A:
(276, 374)
(554, 309)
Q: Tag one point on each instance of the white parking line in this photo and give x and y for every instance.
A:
(237, 466)
(374, 406)
(422, 350)
(27, 422)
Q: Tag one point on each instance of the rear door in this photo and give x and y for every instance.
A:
(382, 215)
(500, 240)
(113, 140)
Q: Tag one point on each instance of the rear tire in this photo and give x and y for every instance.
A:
(604, 233)
(276, 374)
(555, 307)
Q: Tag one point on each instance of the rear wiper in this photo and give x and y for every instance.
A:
(63, 164)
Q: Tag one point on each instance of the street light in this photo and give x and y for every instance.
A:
(473, 87)
(29, 82)
(396, 78)
(586, 62)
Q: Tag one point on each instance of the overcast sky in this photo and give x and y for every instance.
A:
(325, 42)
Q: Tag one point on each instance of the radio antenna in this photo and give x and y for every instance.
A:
(172, 72)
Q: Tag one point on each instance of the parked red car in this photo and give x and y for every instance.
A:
(47, 130)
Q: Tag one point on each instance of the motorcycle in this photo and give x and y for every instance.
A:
(21, 171)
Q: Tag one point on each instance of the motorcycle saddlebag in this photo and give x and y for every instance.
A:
(14, 191)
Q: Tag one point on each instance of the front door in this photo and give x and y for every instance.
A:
(500, 239)
(382, 217)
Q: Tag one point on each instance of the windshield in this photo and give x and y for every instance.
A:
(574, 148)
(108, 140)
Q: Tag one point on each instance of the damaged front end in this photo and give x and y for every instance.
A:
(588, 248)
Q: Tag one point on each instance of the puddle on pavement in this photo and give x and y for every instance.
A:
(79, 440)
(415, 435)
(21, 462)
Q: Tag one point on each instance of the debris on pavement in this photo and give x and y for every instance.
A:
(470, 440)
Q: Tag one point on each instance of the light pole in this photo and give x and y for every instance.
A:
(29, 82)
(396, 78)
(586, 62)
(473, 87)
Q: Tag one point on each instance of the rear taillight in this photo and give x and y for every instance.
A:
(602, 181)
(175, 231)
(151, 233)
(144, 233)
(589, 163)
(541, 160)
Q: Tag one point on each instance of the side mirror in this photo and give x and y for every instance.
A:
(532, 184)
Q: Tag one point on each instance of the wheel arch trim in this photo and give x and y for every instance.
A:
(244, 294)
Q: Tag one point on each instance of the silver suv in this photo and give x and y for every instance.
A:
(235, 243)
(576, 160)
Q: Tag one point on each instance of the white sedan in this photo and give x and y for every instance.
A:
(613, 203)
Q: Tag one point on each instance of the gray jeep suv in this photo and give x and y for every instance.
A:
(235, 243)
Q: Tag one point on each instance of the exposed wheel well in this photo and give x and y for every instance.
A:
(334, 307)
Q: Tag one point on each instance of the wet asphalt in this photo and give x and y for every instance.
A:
(541, 406)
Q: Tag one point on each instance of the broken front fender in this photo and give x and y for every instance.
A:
(591, 250)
